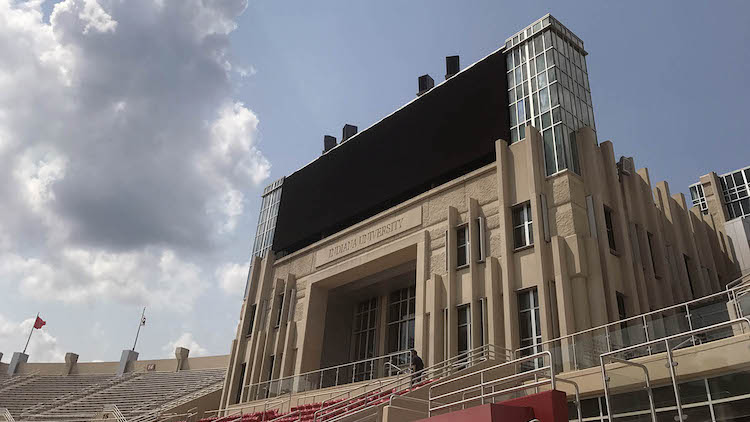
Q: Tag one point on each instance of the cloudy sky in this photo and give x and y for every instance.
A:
(137, 135)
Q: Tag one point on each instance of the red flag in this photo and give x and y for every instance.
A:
(39, 323)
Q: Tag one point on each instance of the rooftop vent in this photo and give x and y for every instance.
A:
(328, 143)
(452, 66)
(426, 83)
(348, 132)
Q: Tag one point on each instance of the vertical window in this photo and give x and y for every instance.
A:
(621, 314)
(687, 270)
(481, 239)
(251, 318)
(271, 360)
(529, 325)
(462, 246)
(365, 326)
(241, 385)
(464, 329)
(650, 237)
(522, 226)
(482, 320)
(279, 310)
(401, 319)
(609, 222)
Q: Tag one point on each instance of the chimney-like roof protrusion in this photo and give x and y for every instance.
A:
(452, 66)
(426, 83)
(328, 143)
(347, 132)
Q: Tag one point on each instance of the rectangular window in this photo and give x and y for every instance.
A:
(529, 325)
(481, 237)
(462, 246)
(464, 329)
(482, 320)
(365, 329)
(687, 270)
(522, 226)
(251, 319)
(241, 386)
(271, 360)
(609, 222)
(279, 310)
(401, 311)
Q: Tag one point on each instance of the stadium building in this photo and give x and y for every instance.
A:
(484, 226)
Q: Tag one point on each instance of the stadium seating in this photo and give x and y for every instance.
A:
(139, 396)
(28, 391)
(306, 412)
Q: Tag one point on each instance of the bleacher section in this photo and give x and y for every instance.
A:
(27, 391)
(139, 396)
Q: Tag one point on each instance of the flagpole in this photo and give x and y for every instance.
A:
(30, 333)
(140, 323)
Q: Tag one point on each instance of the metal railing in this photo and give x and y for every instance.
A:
(368, 400)
(688, 339)
(333, 376)
(582, 349)
(6, 414)
(112, 408)
(484, 384)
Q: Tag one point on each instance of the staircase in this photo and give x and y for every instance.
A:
(373, 399)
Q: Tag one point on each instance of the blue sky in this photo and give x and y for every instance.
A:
(667, 78)
(155, 88)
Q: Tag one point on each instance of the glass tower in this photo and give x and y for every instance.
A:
(548, 87)
(269, 210)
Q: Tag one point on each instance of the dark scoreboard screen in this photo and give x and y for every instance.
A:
(449, 131)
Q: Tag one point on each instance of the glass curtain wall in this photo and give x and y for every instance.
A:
(548, 87)
(269, 210)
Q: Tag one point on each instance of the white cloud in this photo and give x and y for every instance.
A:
(187, 341)
(232, 277)
(156, 277)
(43, 346)
(124, 157)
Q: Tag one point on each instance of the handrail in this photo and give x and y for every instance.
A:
(6, 413)
(728, 291)
(670, 364)
(320, 371)
(674, 336)
(578, 395)
(481, 352)
(482, 384)
(398, 370)
(626, 362)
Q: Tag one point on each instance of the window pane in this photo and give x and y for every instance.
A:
(543, 100)
(729, 385)
(461, 256)
(519, 237)
(549, 152)
(461, 235)
(530, 234)
(733, 411)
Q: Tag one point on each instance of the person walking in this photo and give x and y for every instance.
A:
(417, 368)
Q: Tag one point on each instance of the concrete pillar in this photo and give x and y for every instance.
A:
(17, 359)
(181, 354)
(71, 359)
(126, 357)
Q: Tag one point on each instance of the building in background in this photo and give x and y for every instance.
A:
(726, 200)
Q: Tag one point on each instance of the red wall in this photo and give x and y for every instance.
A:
(550, 406)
